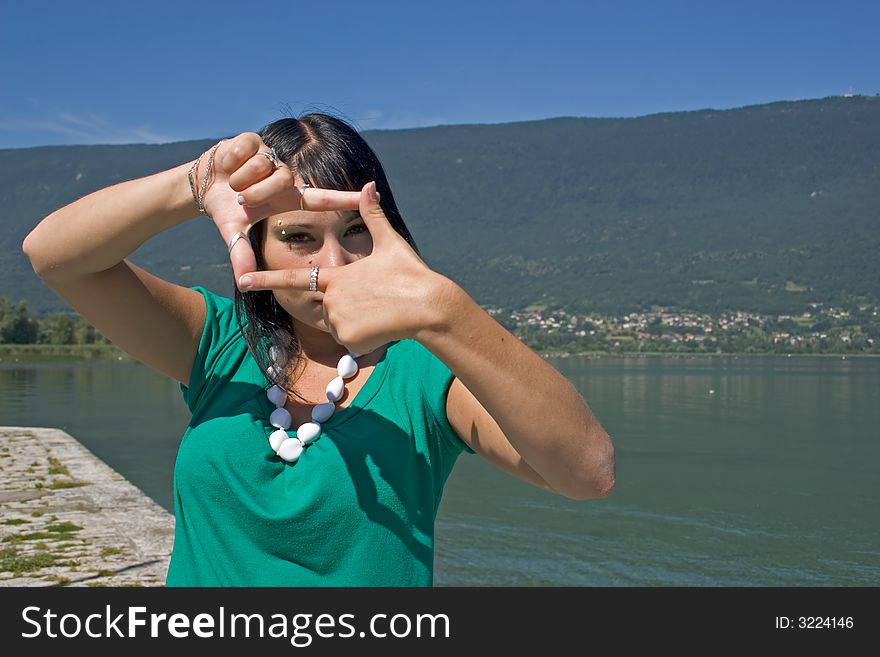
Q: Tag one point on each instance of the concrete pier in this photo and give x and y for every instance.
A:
(68, 519)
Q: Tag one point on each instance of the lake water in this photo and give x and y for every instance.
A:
(772, 480)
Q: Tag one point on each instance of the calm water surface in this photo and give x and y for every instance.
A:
(772, 480)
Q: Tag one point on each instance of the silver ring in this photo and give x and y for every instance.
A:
(271, 156)
(313, 280)
(235, 238)
(302, 194)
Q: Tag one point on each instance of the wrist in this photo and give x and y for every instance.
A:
(442, 300)
(200, 175)
(179, 198)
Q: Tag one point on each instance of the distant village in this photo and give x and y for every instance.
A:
(820, 330)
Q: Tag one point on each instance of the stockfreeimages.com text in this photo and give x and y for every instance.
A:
(300, 628)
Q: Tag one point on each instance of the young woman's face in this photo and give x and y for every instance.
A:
(303, 239)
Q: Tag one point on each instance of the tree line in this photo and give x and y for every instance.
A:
(18, 325)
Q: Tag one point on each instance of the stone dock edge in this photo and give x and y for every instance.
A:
(68, 519)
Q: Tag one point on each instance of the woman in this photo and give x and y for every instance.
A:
(284, 479)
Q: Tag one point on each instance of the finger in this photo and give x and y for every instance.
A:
(321, 200)
(238, 150)
(256, 168)
(279, 193)
(241, 256)
(381, 231)
(278, 187)
(287, 279)
(329, 325)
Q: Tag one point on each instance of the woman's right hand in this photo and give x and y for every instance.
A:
(240, 174)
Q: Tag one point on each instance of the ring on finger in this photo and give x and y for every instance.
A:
(272, 156)
(237, 236)
(313, 280)
(302, 194)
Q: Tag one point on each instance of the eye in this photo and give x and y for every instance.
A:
(358, 229)
(295, 237)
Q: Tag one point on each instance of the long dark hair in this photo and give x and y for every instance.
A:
(330, 154)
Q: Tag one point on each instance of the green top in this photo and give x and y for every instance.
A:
(356, 509)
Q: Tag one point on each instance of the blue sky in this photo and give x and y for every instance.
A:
(121, 72)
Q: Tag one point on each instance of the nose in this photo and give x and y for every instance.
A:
(332, 254)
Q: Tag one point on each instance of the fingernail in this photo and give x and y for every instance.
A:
(241, 199)
(245, 281)
(372, 193)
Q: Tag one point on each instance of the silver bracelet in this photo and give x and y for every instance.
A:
(209, 172)
(199, 197)
(191, 174)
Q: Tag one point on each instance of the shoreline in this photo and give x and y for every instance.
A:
(55, 352)
(12, 353)
(693, 354)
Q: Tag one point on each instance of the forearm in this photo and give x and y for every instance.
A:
(100, 230)
(540, 412)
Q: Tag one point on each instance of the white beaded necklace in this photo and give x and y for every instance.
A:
(289, 449)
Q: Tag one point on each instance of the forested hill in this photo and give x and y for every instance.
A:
(763, 208)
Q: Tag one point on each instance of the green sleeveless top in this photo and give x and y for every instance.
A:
(356, 509)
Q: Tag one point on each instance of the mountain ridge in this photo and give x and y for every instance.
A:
(760, 208)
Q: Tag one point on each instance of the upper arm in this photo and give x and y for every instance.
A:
(473, 424)
(156, 322)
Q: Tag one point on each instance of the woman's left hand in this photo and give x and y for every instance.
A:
(388, 295)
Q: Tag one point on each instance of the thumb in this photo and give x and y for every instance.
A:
(374, 217)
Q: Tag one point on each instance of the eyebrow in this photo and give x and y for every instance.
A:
(312, 226)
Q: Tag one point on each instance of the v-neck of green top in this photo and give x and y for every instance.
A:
(365, 394)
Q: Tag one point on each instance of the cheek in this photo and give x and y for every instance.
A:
(302, 310)
(289, 299)
(363, 246)
(278, 255)
(298, 305)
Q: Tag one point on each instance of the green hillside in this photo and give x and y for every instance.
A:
(762, 208)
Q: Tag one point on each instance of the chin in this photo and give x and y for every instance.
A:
(313, 322)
